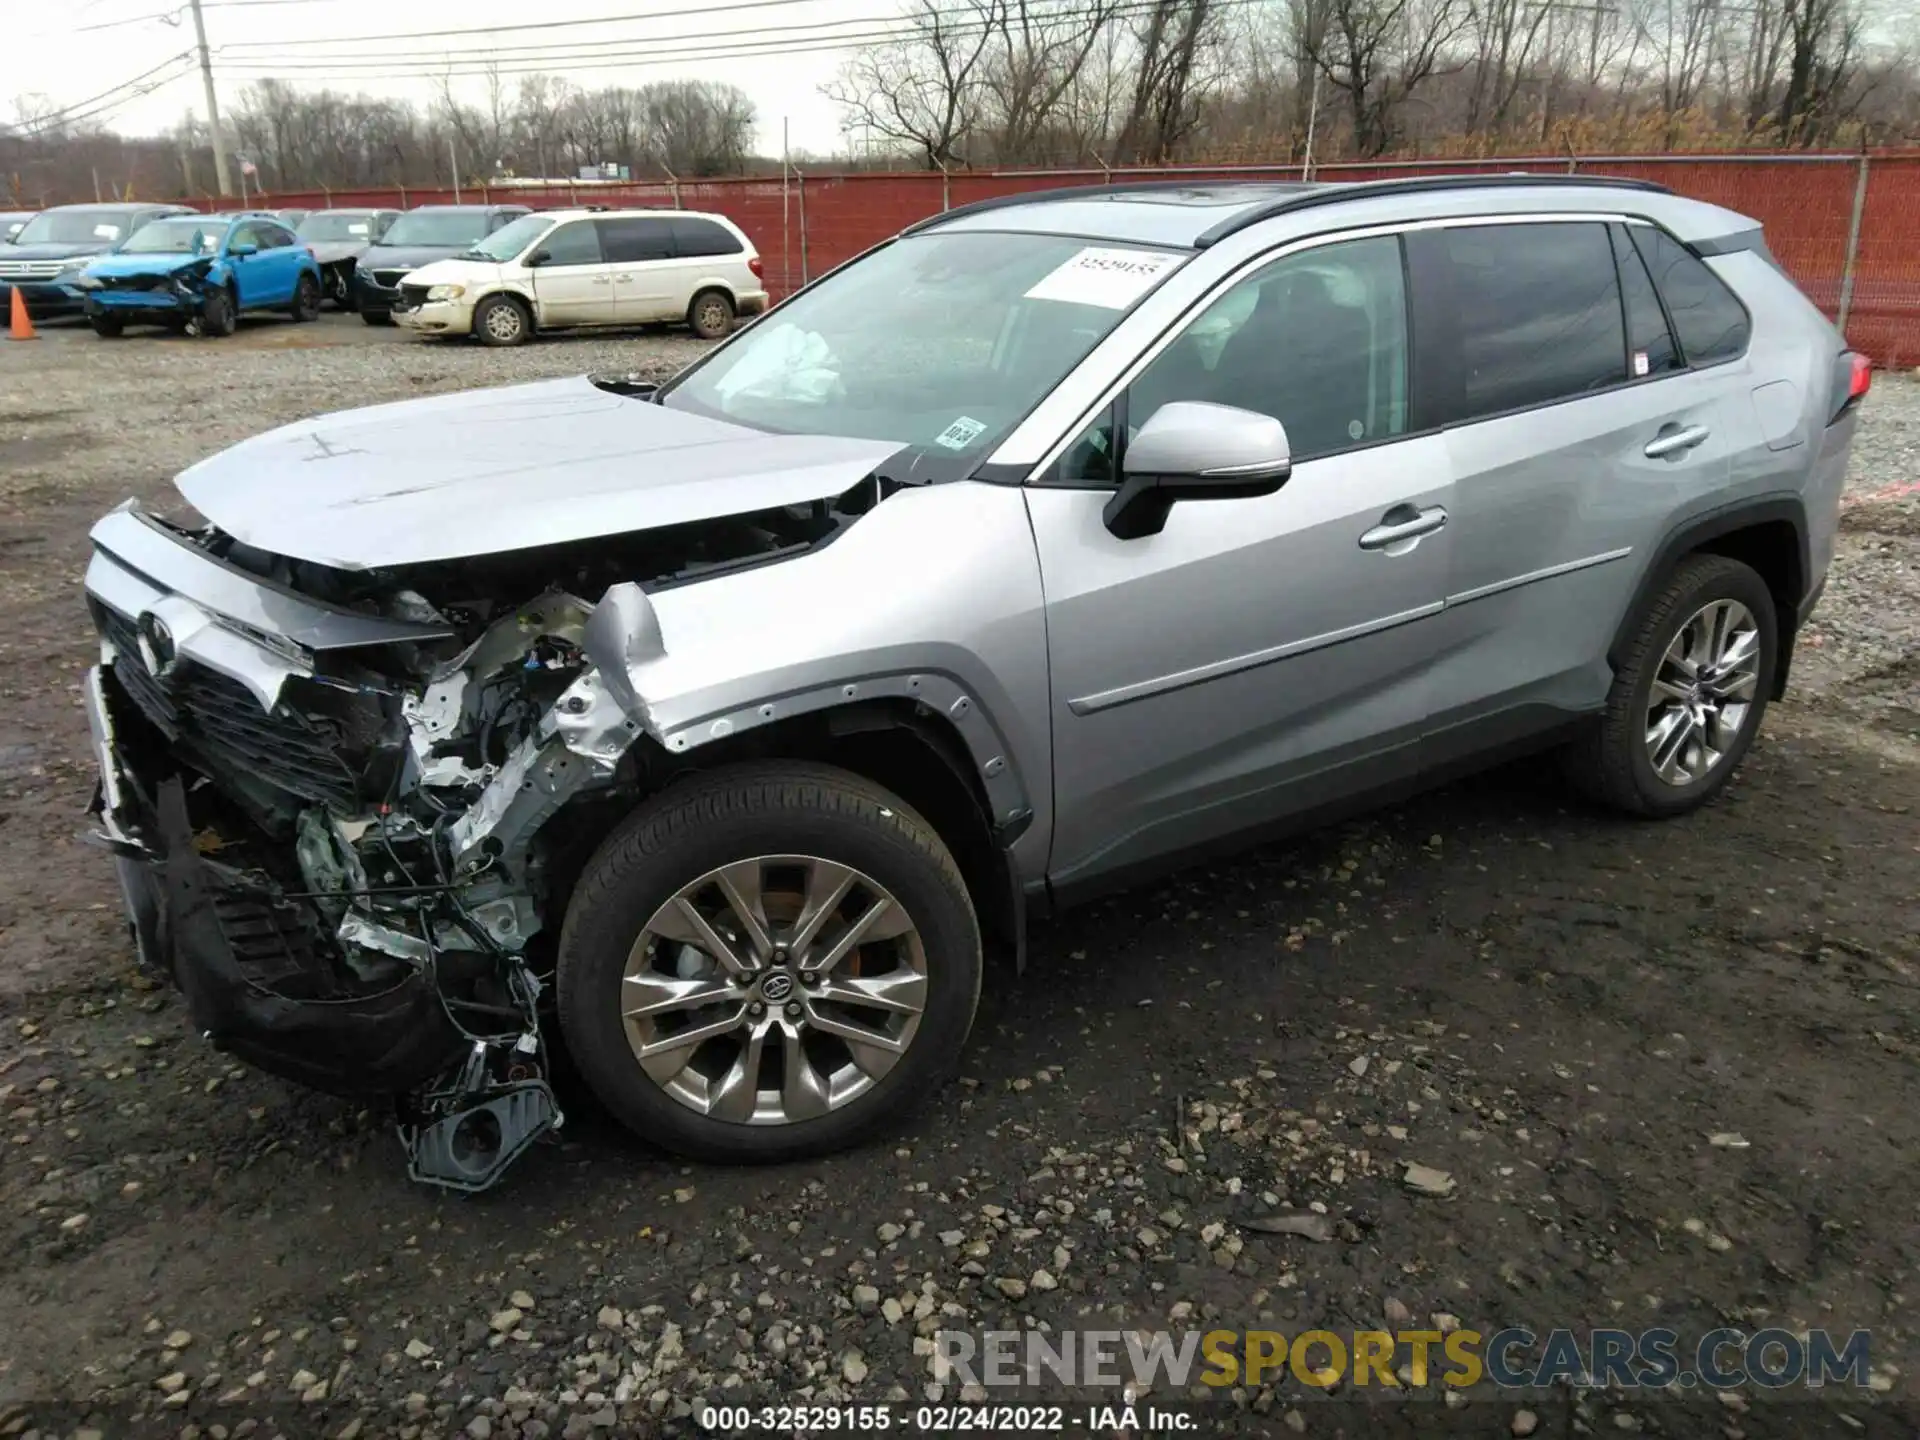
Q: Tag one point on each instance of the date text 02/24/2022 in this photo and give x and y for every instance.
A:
(941, 1419)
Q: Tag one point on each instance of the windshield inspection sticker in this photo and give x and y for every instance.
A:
(1110, 278)
(961, 433)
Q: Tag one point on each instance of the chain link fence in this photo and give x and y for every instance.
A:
(1846, 227)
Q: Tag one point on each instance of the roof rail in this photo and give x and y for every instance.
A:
(1297, 196)
(1415, 185)
(1114, 191)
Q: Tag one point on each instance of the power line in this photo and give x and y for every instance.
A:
(672, 49)
(734, 5)
(588, 48)
(69, 113)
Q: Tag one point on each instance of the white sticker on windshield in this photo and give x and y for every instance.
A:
(359, 229)
(961, 433)
(106, 232)
(1640, 362)
(1110, 278)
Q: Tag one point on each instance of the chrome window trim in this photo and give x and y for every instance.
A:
(1042, 432)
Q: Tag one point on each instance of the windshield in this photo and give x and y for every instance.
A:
(940, 341)
(74, 227)
(510, 240)
(437, 227)
(190, 235)
(336, 225)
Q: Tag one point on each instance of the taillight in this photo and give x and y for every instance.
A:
(759, 270)
(1861, 380)
(1852, 378)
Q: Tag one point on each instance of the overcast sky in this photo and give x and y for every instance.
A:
(256, 37)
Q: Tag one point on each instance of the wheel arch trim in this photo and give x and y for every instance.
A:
(1698, 532)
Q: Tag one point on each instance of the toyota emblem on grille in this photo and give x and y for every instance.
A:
(156, 645)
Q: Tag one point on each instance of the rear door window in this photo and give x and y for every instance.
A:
(1535, 315)
(1708, 319)
(702, 237)
(632, 238)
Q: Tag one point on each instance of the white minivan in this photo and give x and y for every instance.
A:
(569, 269)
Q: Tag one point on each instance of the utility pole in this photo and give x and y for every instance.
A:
(213, 105)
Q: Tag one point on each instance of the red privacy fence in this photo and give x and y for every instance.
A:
(1846, 227)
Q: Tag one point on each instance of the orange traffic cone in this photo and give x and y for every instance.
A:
(20, 325)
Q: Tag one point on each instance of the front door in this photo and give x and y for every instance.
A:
(573, 283)
(264, 276)
(1258, 656)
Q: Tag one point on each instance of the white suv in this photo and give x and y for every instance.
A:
(566, 269)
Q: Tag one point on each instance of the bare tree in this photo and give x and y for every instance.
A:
(924, 91)
(1378, 53)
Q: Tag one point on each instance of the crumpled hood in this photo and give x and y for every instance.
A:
(332, 252)
(143, 264)
(484, 471)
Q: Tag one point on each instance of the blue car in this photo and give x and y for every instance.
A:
(200, 273)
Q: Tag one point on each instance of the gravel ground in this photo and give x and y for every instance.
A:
(1554, 1009)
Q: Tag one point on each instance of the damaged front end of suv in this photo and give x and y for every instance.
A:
(347, 803)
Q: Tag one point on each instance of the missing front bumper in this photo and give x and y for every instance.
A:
(261, 975)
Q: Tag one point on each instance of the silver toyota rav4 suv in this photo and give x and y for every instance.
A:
(713, 727)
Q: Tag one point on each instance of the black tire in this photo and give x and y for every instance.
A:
(108, 327)
(306, 300)
(219, 314)
(710, 315)
(376, 317)
(502, 320)
(1611, 764)
(733, 814)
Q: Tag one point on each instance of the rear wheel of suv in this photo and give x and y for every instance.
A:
(306, 299)
(108, 327)
(1688, 696)
(711, 314)
(502, 320)
(772, 961)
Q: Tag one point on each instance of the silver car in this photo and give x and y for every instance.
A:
(713, 728)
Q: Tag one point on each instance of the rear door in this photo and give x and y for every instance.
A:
(640, 248)
(1258, 656)
(1573, 430)
(573, 282)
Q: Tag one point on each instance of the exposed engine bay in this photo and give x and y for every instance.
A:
(357, 878)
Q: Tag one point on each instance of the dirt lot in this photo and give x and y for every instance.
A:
(1556, 1009)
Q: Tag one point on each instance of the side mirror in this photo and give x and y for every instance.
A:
(1192, 450)
(240, 249)
(539, 257)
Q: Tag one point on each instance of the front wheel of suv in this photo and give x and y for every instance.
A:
(1689, 693)
(769, 962)
(502, 320)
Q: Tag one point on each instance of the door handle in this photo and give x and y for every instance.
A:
(623, 279)
(1675, 442)
(601, 280)
(1403, 522)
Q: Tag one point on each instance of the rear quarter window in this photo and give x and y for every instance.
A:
(1708, 319)
(703, 237)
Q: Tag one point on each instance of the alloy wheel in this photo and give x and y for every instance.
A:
(1703, 692)
(503, 323)
(774, 990)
